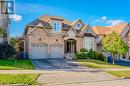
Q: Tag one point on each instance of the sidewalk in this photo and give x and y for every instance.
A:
(60, 71)
(113, 69)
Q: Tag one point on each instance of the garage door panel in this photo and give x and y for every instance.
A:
(56, 51)
(39, 51)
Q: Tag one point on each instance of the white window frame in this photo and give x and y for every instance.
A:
(89, 44)
(56, 26)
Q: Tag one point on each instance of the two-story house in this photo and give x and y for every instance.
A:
(54, 37)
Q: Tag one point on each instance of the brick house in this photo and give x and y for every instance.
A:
(55, 37)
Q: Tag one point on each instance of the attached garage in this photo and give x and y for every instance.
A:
(56, 51)
(39, 51)
(44, 51)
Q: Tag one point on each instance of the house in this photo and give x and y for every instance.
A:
(56, 37)
(122, 29)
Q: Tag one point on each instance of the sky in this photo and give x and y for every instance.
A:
(92, 12)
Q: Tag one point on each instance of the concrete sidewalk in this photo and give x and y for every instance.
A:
(113, 69)
(61, 70)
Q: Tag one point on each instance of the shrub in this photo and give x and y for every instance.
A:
(83, 50)
(92, 54)
(6, 51)
(81, 55)
(101, 57)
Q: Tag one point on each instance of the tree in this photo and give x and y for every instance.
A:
(6, 51)
(114, 44)
(2, 33)
(18, 43)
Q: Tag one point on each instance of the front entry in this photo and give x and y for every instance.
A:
(70, 46)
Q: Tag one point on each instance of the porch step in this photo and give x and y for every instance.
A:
(69, 55)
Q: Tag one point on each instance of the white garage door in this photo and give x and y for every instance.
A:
(39, 51)
(56, 51)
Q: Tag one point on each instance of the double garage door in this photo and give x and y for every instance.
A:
(44, 51)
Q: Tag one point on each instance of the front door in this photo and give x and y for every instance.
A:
(70, 46)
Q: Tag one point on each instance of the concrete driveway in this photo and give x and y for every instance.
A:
(57, 64)
(65, 72)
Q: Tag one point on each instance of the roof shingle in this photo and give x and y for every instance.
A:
(102, 30)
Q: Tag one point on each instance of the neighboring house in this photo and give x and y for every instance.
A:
(122, 29)
(55, 37)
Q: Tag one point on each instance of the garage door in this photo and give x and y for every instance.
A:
(39, 51)
(56, 51)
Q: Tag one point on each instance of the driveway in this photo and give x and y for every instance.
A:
(58, 64)
(65, 72)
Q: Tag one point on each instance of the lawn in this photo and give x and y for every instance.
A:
(97, 64)
(123, 73)
(18, 79)
(15, 64)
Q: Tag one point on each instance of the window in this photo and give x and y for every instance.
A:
(78, 25)
(89, 44)
(56, 26)
(87, 30)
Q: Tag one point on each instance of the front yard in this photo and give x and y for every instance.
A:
(97, 64)
(15, 64)
(18, 79)
(120, 74)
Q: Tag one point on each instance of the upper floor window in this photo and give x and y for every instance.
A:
(88, 31)
(78, 25)
(56, 26)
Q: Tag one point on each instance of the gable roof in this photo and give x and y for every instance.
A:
(119, 28)
(45, 21)
(102, 30)
(37, 21)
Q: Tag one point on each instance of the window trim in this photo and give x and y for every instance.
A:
(56, 26)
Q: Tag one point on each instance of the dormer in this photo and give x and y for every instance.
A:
(56, 23)
(88, 30)
(77, 24)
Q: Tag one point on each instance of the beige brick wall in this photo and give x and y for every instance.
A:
(40, 36)
(79, 43)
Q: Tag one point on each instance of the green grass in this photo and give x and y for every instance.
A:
(97, 64)
(18, 79)
(15, 64)
(120, 74)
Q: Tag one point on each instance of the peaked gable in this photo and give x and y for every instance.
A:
(38, 25)
(70, 34)
(78, 24)
(87, 30)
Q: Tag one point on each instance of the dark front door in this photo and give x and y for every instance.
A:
(70, 46)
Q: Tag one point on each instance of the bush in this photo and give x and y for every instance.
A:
(83, 50)
(6, 51)
(92, 54)
(81, 55)
(101, 57)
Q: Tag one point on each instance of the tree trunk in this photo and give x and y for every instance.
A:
(113, 60)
